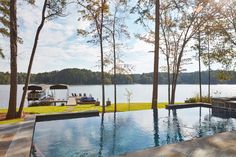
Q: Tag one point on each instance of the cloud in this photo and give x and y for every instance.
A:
(59, 46)
(138, 55)
(141, 47)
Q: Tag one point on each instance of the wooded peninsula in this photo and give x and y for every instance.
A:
(76, 76)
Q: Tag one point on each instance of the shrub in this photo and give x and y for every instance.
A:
(196, 98)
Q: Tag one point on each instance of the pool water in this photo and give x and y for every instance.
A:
(111, 134)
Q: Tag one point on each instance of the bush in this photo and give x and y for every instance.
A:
(196, 98)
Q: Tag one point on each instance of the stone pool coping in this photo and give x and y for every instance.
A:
(188, 105)
(62, 116)
(218, 145)
(16, 139)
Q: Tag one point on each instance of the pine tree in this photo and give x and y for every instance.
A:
(4, 21)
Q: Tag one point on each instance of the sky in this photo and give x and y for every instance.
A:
(59, 46)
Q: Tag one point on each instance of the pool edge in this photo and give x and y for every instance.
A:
(218, 145)
(63, 116)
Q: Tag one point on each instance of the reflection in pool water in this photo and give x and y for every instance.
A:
(125, 132)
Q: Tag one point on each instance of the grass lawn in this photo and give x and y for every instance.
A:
(121, 107)
(12, 121)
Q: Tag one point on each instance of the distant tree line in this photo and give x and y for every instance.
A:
(87, 77)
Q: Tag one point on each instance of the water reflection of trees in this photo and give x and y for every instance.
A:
(109, 135)
(101, 136)
(174, 132)
(209, 125)
(113, 130)
(156, 127)
(166, 130)
(206, 125)
(114, 135)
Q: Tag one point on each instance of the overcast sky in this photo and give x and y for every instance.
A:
(60, 47)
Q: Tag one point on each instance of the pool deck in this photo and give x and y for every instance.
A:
(16, 139)
(219, 145)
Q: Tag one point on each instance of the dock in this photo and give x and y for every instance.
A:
(187, 105)
(71, 101)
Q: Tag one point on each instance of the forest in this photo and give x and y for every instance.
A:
(75, 76)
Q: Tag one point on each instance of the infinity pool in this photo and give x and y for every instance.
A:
(125, 132)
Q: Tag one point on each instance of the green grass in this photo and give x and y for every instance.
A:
(12, 121)
(121, 107)
(3, 110)
(45, 109)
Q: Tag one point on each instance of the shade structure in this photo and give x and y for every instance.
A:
(36, 87)
(59, 86)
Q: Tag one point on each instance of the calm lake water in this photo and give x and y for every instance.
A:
(140, 93)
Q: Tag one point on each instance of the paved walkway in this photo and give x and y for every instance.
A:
(219, 145)
(16, 139)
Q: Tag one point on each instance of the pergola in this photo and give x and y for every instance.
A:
(37, 87)
(60, 87)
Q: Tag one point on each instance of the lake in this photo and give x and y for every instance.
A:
(140, 93)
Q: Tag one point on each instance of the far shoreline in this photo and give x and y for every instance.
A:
(125, 84)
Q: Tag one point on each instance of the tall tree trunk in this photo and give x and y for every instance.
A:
(11, 113)
(176, 74)
(27, 81)
(166, 36)
(172, 100)
(199, 65)
(156, 56)
(168, 73)
(177, 65)
(209, 68)
(102, 61)
(114, 55)
(103, 81)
